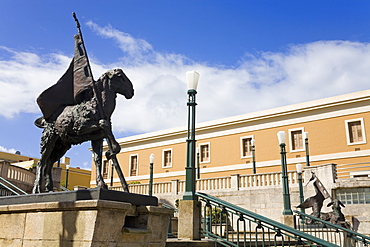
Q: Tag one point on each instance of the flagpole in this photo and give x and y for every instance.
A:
(100, 110)
(99, 101)
(83, 45)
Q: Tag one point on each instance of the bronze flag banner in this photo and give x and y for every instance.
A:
(71, 88)
(322, 189)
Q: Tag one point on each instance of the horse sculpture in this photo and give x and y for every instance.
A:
(336, 216)
(75, 124)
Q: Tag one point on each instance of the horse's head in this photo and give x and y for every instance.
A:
(120, 83)
(336, 204)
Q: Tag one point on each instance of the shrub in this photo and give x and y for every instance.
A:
(217, 216)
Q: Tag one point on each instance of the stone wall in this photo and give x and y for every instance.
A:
(357, 214)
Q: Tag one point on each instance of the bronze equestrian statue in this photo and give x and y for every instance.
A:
(78, 109)
(80, 123)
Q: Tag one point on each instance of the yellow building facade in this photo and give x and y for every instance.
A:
(337, 127)
(76, 176)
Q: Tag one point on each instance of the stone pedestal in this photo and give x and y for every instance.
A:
(189, 219)
(288, 220)
(83, 223)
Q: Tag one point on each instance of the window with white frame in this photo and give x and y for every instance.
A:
(355, 131)
(167, 158)
(246, 146)
(296, 139)
(204, 153)
(133, 165)
(105, 169)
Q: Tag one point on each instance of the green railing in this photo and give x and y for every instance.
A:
(170, 234)
(230, 225)
(333, 233)
(8, 189)
(64, 188)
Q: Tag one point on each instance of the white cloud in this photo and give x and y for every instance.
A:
(260, 81)
(11, 150)
(86, 166)
(24, 76)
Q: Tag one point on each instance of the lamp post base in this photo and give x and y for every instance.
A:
(288, 220)
(189, 219)
(188, 195)
(287, 212)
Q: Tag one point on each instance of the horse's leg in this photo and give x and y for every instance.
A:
(59, 150)
(37, 185)
(107, 128)
(49, 185)
(47, 148)
(97, 147)
(40, 170)
(114, 148)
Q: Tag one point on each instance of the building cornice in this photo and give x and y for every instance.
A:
(305, 108)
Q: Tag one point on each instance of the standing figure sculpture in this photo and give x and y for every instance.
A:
(77, 109)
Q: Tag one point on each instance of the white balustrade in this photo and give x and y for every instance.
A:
(219, 183)
(235, 181)
(20, 174)
(163, 187)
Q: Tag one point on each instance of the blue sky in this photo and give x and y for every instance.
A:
(251, 55)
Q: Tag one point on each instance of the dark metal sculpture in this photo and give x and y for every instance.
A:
(336, 216)
(316, 201)
(78, 109)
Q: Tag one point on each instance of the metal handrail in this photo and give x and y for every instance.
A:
(264, 227)
(357, 237)
(64, 188)
(165, 205)
(7, 185)
(175, 210)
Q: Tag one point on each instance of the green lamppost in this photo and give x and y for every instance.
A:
(305, 136)
(111, 175)
(198, 164)
(151, 161)
(253, 142)
(300, 184)
(192, 78)
(286, 197)
(67, 173)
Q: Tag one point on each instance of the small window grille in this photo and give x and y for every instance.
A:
(353, 195)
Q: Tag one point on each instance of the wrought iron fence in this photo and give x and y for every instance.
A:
(230, 225)
(340, 234)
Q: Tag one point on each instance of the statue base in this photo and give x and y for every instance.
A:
(96, 221)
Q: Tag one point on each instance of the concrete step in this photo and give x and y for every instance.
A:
(175, 242)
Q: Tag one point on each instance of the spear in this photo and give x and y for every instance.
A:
(82, 44)
(109, 155)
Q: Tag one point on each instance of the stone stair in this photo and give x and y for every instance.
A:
(175, 242)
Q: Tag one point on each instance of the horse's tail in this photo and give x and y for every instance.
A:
(40, 122)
